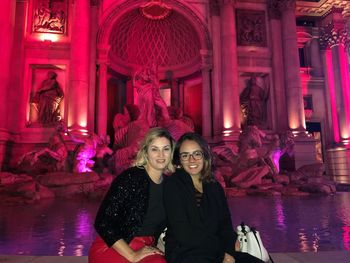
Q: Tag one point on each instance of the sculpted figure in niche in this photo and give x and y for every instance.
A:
(253, 101)
(49, 159)
(48, 99)
(147, 84)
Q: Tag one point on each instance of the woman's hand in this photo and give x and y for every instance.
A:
(134, 255)
(237, 246)
(144, 252)
(228, 259)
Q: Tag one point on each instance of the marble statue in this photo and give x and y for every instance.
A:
(90, 148)
(147, 85)
(49, 159)
(48, 99)
(253, 101)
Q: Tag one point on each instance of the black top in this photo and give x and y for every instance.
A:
(196, 233)
(155, 213)
(124, 207)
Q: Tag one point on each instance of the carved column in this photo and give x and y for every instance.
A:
(295, 105)
(80, 67)
(93, 64)
(206, 94)
(101, 100)
(216, 71)
(316, 62)
(229, 65)
(281, 122)
(7, 24)
(333, 39)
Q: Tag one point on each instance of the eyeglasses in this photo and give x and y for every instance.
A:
(196, 155)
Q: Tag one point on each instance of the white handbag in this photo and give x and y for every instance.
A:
(251, 243)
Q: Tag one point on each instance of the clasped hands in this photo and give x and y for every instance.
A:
(144, 252)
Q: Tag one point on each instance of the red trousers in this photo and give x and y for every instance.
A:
(101, 253)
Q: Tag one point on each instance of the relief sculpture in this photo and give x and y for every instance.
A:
(50, 17)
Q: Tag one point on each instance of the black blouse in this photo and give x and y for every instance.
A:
(155, 215)
(198, 233)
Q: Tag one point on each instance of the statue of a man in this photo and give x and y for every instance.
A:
(147, 85)
(253, 101)
(48, 98)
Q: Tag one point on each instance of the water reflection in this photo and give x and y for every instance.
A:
(306, 224)
(286, 224)
(60, 227)
(279, 213)
(346, 237)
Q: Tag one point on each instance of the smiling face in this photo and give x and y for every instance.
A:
(193, 162)
(158, 154)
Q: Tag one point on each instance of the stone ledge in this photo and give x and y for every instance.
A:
(306, 257)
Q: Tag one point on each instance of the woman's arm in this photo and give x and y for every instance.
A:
(227, 235)
(110, 216)
(131, 255)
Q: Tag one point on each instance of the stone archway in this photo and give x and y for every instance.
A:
(122, 23)
(127, 40)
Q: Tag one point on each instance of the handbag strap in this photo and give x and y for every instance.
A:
(257, 240)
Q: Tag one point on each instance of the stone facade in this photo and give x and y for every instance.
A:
(206, 52)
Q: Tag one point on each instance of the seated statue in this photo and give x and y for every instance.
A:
(251, 166)
(50, 159)
(127, 136)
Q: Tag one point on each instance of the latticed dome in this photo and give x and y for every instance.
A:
(169, 42)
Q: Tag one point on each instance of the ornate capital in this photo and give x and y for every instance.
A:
(226, 2)
(94, 2)
(331, 36)
(274, 9)
(347, 41)
(214, 8)
(206, 59)
(285, 5)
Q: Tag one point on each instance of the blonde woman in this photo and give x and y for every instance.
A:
(132, 216)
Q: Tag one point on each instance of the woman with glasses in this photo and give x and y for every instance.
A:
(199, 226)
(132, 215)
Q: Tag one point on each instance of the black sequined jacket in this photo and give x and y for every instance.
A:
(124, 207)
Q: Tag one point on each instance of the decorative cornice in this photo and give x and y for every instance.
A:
(322, 7)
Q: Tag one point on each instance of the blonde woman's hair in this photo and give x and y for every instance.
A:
(154, 133)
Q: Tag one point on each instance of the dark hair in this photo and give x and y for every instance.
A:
(207, 173)
(152, 134)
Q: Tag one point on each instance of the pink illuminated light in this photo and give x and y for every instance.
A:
(48, 37)
(332, 95)
(346, 237)
(346, 93)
